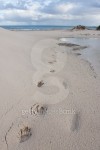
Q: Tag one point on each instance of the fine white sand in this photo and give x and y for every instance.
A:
(48, 91)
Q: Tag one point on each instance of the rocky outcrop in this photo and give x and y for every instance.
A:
(98, 28)
(79, 27)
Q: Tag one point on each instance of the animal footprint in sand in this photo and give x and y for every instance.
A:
(38, 109)
(52, 71)
(65, 84)
(40, 83)
(50, 62)
(25, 133)
(76, 122)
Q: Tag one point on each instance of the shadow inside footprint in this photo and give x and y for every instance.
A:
(76, 122)
(52, 71)
(50, 62)
(65, 85)
(78, 54)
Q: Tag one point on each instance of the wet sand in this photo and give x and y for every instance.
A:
(91, 53)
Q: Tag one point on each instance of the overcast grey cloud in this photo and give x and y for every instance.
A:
(53, 12)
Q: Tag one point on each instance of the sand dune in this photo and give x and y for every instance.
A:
(49, 97)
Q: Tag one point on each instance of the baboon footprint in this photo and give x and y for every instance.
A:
(38, 109)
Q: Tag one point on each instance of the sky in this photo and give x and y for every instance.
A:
(50, 12)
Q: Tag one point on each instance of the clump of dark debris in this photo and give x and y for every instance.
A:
(68, 44)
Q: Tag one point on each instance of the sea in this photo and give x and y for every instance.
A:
(40, 27)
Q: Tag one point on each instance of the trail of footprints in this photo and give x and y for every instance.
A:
(48, 62)
(25, 132)
(40, 109)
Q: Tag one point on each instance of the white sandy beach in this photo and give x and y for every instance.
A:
(67, 111)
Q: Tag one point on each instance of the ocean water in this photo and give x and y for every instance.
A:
(91, 53)
(39, 27)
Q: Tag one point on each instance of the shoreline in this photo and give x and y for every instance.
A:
(50, 29)
(43, 27)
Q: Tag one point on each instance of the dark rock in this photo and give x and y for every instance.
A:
(79, 27)
(98, 28)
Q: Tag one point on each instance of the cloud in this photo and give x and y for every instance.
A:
(65, 7)
(61, 12)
